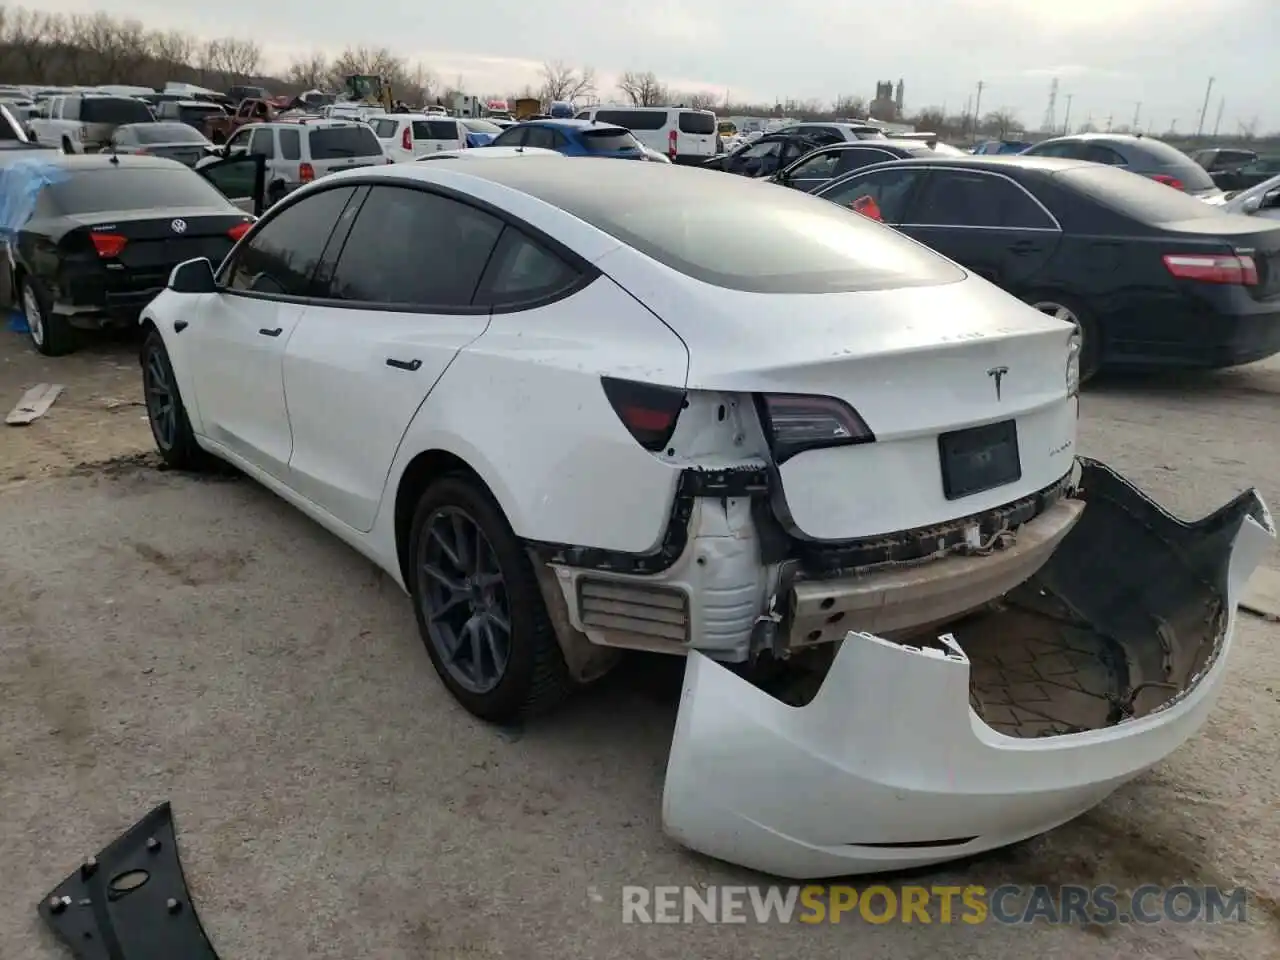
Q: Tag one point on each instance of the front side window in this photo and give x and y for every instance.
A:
(818, 166)
(281, 257)
(888, 190)
(240, 141)
(413, 248)
(235, 179)
(263, 144)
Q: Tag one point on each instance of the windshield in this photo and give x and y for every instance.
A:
(165, 133)
(332, 143)
(114, 110)
(133, 188)
(1136, 196)
(482, 126)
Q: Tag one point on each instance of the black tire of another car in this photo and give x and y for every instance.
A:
(51, 333)
(533, 679)
(1072, 311)
(170, 426)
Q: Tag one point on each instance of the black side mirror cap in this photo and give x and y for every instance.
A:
(192, 276)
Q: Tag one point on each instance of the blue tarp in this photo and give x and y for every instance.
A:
(20, 184)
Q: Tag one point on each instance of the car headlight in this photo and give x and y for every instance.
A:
(1073, 364)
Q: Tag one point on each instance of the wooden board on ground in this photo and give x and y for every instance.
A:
(1262, 594)
(33, 404)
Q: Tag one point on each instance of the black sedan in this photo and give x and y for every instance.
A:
(768, 154)
(814, 169)
(1150, 276)
(106, 231)
(1248, 174)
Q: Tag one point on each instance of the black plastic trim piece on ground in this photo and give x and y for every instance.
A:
(102, 912)
(818, 558)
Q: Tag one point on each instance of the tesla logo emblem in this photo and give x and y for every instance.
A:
(178, 226)
(997, 374)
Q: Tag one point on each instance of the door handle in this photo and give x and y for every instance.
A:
(404, 364)
(271, 333)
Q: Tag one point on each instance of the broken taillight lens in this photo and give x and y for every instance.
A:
(108, 245)
(795, 423)
(649, 412)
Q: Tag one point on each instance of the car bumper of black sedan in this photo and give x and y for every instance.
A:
(1200, 339)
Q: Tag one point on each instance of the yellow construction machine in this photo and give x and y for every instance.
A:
(370, 89)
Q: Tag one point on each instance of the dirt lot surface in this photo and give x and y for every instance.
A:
(164, 637)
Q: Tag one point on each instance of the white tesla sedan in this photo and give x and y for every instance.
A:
(662, 409)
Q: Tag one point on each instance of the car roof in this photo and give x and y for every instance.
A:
(913, 145)
(566, 123)
(995, 163)
(107, 161)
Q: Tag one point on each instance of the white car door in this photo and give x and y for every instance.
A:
(397, 310)
(240, 337)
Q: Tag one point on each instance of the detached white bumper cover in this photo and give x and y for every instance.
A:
(892, 764)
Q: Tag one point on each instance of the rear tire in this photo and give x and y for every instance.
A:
(51, 333)
(170, 426)
(469, 576)
(1070, 310)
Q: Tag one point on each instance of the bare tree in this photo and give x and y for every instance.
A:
(850, 105)
(309, 73)
(930, 120)
(238, 59)
(1000, 123)
(28, 35)
(369, 61)
(563, 82)
(643, 89)
(173, 47)
(698, 99)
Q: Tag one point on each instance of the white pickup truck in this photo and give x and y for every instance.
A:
(84, 122)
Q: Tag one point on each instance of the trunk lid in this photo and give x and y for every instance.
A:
(158, 240)
(1241, 235)
(185, 153)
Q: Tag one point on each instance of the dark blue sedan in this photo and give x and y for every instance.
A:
(573, 138)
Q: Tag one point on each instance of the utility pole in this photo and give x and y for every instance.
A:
(977, 105)
(1066, 124)
(1109, 119)
(1136, 112)
(1222, 103)
(1173, 125)
(1205, 108)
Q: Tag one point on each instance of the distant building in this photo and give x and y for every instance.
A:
(887, 104)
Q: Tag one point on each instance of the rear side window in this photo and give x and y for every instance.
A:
(1097, 153)
(522, 271)
(634, 119)
(414, 248)
(1136, 196)
(609, 141)
(334, 143)
(955, 198)
(283, 254)
(114, 110)
(290, 144)
(133, 188)
(697, 123)
(435, 130)
(385, 129)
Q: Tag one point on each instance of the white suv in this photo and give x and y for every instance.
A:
(408, 136)
(297, 152)
(682, 134)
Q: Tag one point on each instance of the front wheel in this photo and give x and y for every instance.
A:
(1069, 311)
(479, 608)
(170, 426)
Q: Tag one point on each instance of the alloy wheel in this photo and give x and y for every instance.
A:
(162, 407)
(464, 600)
(35, 319)
(1059, 312)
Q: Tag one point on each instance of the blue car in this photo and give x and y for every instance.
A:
(480, 133)
(573, 138)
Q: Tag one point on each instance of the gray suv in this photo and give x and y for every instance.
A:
(297, 152)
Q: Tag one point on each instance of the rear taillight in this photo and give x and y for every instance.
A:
(406, 139)
(238, 231)
(1168, 181)
(1237, 268)
(795, 423)
(648, 412)
(306, 172)
(108, 245)
(672, 140)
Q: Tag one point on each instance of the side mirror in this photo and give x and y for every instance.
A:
(1271, 200)
(1251, 206)
(192, 276)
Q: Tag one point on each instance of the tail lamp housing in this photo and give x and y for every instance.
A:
(1168, 181)
(306, 172)
(1073, 364)
(648, 411)
(239, 230)
(795, 423)
(406, 138)
(673, 140)
(108, 245)
(1233, 268)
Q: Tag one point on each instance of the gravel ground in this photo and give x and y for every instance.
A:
(163, 637)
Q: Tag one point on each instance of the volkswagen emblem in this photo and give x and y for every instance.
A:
(178, 226)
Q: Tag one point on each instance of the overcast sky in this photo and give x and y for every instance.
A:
(1108, 54)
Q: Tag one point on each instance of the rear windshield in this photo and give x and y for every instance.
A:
(736, 233)
(114, 110)
(609, 141)
(199, 112)
(1160, 157)
(634, 119)
(697, 123)
(333, 143)
(435, 130)
(133, 188)
(166, 133)
(1133, 195)
(481, 126)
